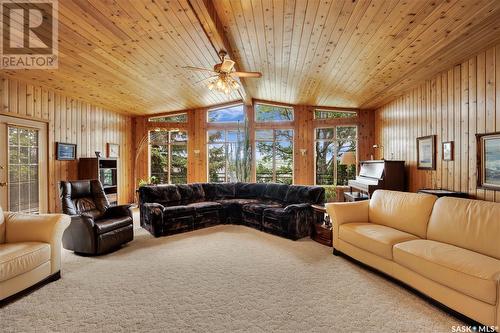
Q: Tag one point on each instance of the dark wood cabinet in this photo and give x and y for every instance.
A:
(104, 169)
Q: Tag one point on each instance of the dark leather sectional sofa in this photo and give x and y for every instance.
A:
(280, 209)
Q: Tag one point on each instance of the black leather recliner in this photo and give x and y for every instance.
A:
(96, 227)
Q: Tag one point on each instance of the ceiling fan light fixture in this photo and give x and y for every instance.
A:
(224, 84)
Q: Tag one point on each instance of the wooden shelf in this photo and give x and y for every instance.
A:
(104, 169)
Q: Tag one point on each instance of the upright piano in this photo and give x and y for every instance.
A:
(379, 174)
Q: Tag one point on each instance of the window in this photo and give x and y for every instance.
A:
(328, 114)
(274, 156)
(224, 150)
(23, 168)
(267, 113)
(176, 118)
(168, 156)
(335, 155)
(230, 114)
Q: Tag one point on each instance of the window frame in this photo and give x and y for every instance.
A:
(150, 119)
(169, 150)
(274, 150)
(273, 121)
(353, 112)
(335, 153)
(236, 123)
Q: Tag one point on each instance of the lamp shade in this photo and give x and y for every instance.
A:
(349, 158)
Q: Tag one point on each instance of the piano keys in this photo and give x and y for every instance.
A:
(379, 174)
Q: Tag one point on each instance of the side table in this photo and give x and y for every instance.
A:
(321, 230)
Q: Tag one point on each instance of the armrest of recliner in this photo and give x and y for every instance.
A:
(118, 211)
(294, 207)
(46, 228)
(348, 212)
(80, 235)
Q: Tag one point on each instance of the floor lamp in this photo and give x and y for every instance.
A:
(143, 142)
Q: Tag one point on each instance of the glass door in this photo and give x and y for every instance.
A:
(23, 165)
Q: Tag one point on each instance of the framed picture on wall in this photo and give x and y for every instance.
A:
(65, 151)
(113, 150)
(448, 151)
(488, 160)
(426, 152)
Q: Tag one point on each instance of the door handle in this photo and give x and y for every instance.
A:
(2, 184)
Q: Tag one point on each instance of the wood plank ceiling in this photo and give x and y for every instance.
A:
(352, 53)
(127, 55)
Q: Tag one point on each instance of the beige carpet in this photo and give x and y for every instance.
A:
(222, 279)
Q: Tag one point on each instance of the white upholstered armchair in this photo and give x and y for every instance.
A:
(30, 250)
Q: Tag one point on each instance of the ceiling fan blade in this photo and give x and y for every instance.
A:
(210, 77)
(247, 74)
(198, 69)
(227, 66)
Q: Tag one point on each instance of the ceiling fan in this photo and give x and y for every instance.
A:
(224, 74)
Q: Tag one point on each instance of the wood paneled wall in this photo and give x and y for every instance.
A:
(73, 121)
(454, 105)
(303, 125)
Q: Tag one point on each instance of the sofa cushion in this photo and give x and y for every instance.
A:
(305, 194)
(276, 192)
(226, 190)
(466, 271)
(374, 238)
(205, 206)
(235, 201)
(250, 190)
(2, 226)
(19, 258)
(166, 195)
(470, 224)
(191, 192)
(408, 212)
(107, 225)
(259, 207)
(175, 211)
(210, 190)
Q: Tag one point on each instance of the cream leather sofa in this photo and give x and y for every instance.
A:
(447, 248)
(30, 249)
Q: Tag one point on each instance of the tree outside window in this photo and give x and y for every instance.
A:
(223, 152)
(168, 157)
(274, 156)
(229, 149)
(272, 113)
(335, 151)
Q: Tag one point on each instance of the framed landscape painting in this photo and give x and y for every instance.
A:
(488, 160)
(426, 152)
(65, 151)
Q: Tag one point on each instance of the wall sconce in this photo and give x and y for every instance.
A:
(196, 152)
(303, 152)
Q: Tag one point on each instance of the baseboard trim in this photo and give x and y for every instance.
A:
(12, 298)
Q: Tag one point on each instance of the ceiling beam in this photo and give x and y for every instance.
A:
(206, 14)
